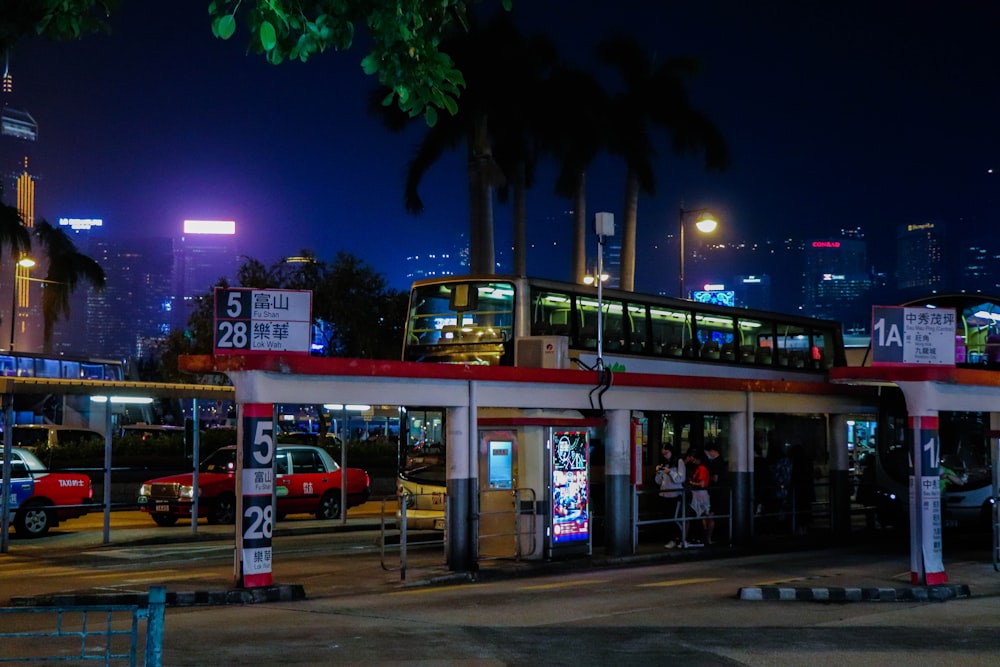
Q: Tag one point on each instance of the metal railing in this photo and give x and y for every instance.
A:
(395, 522)
(686, 515)
(104, 633)
(525, 517)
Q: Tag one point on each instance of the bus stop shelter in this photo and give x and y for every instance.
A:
(928, 390)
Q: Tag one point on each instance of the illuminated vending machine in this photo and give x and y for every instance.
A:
(568, 532)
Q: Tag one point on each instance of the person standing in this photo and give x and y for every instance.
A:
(718, 479)
(670, 476)
(701, 504)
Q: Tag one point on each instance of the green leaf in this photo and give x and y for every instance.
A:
(267, 37)
(370, 64)
(227, 26)
(431, 116)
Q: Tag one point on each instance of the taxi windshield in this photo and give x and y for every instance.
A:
(220, 461)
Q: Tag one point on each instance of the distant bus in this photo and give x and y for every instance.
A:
(519, 321)
(27, 364)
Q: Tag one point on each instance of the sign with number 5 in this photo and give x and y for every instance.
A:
(251, 321)
(255, 476)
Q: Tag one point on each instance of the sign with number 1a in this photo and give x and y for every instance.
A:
(255, 475)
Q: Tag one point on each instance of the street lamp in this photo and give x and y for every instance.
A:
(604, 226)
(591, 279)
(17, 293)
(705, 223)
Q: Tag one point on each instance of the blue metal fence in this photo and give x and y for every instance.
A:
(101, 633)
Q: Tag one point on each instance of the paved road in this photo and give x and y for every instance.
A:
(655, 608)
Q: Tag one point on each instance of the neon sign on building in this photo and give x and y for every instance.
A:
(210, 227)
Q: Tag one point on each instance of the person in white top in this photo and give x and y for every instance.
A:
(670, 476)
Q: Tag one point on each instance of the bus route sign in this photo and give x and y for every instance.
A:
(913, 336)
(262, 321)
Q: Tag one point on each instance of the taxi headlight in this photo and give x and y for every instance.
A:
(145, 489)
(187, 492)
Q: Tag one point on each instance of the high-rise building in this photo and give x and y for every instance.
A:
(920, 257)
(835, 279)
(203, 255)
(136, 304)
(25, 314)
(979, 265)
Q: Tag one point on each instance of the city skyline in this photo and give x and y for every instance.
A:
(836, 118)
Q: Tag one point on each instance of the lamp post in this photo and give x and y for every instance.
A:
(706, 223)
(604, 226)
(20, 275)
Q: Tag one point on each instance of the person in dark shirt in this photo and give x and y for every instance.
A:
(718, 479)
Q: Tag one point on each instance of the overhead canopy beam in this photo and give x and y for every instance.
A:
(34, 385)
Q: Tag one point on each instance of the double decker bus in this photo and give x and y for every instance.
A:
(47, 408)
(27, 364)
(520, 321)
(481, 320)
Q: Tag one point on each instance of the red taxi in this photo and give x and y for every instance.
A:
(307, 480)
(42, 498)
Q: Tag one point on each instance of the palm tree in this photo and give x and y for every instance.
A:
(497, 61)
(574, 128)
(13, 233)
(653, 95)
(516, 125)
(67, 267)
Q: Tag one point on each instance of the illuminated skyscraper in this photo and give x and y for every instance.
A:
(203, 255)
(835, 280)
(920, 257)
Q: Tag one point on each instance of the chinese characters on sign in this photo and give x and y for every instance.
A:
(256, 474)
(262, 321)
(913, 336)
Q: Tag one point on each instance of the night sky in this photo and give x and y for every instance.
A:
(838, 114)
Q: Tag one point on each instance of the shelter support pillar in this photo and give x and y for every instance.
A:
(739, 457)
(460, 538)
(618, 511)
(926, 563)
(840, 482)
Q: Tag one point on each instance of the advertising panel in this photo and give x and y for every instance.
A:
(570, 497)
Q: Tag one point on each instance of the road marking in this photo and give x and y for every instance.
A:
(563, 584)
(680, 582)
(786, 580)
(433, 589)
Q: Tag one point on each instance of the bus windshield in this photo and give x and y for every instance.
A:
(423, 459)
(463, 322)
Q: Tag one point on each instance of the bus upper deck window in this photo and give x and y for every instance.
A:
(462, 298)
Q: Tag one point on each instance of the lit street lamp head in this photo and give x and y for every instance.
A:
(706, 223)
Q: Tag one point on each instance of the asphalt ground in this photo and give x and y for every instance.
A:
(883, 579)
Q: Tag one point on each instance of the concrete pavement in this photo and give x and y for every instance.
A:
(885, 579)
